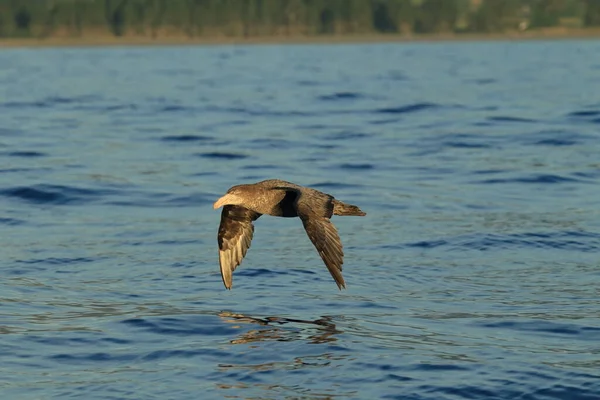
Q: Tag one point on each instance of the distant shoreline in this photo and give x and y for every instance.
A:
(110, 41)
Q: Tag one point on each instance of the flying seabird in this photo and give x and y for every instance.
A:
(243, 204)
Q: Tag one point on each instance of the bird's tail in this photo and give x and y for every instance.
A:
(340, 208)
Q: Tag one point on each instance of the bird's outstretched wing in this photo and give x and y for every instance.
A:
(314, 211)
(235, 235)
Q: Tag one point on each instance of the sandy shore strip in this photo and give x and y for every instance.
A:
(107, 40)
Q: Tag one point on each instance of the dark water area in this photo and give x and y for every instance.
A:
(474, 275)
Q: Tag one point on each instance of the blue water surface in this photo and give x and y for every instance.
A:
(474, 275)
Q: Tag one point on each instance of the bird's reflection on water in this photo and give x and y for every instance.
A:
(321, 330)
(247, 375)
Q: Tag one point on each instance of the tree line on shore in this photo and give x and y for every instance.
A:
(259, 18)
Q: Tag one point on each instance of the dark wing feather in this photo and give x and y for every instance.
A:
(314, 211)
(235, 234)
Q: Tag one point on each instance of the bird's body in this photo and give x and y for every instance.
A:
(243, 204)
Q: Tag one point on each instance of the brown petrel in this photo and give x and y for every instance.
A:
(243, 204)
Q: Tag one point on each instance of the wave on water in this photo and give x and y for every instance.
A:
(181, 326)
(53, 194)
(363, 167)
(341, 96)
(484, 81)
(57, 261)
(511, 390)
(405, 109)
(466, 145)
(543, 179)
(118, 107)
(70, 195)
(506, 118)
(11, 221)
(578, 331)
(260, 112)
(346, 135)
(217, 155)
(175, 108)
(160, 199)
(556, 142)
(272, 143)
(264, 166)
(26, 154)
(581, 241)
(186, 138)
(588, 113)
(411, 108)
(52, 101)
(592, 116)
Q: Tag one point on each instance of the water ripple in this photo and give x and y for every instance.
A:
(411, 108)
(222, 155)
(11, 221)
(53, 194)
(357, 166)
(341, 96)
(568, 240)
(506, 118)
(180, 326)
(473, 276)
(186, 138)
(584, 113)
(544, 179)
(26, 154)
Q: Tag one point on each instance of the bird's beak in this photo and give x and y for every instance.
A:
(227, 199)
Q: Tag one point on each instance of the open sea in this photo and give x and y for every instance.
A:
(474, 275)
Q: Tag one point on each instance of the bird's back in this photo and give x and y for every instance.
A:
(321, 203)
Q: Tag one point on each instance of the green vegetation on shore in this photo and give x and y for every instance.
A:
(261, 18)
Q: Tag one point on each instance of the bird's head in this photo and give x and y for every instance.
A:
(233, 197)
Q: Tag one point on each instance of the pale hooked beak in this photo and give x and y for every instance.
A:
(223, 201)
